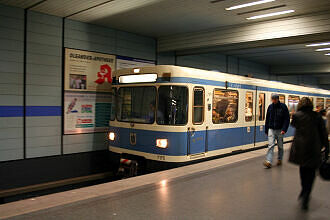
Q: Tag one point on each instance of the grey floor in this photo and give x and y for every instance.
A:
(240, 191)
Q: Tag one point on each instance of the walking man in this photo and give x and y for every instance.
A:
(277, 123)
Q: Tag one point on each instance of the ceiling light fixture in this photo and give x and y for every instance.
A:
(323, 49)
(318, 44)
(270, 14)
(249, 4)
(327, 54)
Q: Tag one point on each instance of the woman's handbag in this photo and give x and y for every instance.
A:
(325, 166)
(325, 171)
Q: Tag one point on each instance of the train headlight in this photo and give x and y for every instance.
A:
(161, 143)
(111, 136)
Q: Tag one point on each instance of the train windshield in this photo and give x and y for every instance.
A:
(172, 105)
(136, 104)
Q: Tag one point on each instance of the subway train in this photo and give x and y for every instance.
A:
(176, 115)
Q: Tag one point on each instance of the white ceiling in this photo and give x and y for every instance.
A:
(169, 17)
(164, 17)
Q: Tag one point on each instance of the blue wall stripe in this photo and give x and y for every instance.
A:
(18, 111)
(43, 111)
(11, 111)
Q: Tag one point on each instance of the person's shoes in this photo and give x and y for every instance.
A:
(304, 205)
(279, 163)
(304, 202)
(267, 164)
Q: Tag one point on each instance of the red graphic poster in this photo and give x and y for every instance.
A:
(88, 71)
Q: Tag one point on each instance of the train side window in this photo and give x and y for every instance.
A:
(293, 104)
(249, 106)
(312, 99)
(113, 104)
(261, 106)
(198, 105)
(281, 97)
(328, 103)
(225, 106)
(319, 104)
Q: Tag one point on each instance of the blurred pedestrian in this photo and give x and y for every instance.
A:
(310, 137)
(277, 123)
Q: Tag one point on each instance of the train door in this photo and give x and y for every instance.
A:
(249, 119)
(261, 108)
(197, 133)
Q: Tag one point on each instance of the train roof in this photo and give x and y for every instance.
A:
(187, 72)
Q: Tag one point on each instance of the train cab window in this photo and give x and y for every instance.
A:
(136, 104)
(328, 103)
(198, 106)
(172, 105)
(113, 104)
(293, 104)
(261, 107)
(225, 106)
(319, 104)
(249, 106)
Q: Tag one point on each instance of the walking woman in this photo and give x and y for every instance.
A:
(309, 139)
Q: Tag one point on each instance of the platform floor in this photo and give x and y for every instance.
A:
(226, 188)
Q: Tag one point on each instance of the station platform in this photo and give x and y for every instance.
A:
(234, 187)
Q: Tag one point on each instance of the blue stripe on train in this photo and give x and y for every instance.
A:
(217, 139)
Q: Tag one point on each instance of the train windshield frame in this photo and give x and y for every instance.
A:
(165, 105)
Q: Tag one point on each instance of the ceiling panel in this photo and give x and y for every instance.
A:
(64, 8)
(20, 3)
(168, 17)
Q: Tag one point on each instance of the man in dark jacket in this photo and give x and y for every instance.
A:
(310, 137)
(277, 123)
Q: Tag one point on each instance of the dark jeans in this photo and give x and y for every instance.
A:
(307, 177)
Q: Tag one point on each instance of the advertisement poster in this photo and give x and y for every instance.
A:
(86, 112)
(128, 62)
(88, 71)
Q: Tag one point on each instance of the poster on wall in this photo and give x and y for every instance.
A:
(128, 62)
(88, 71)
(86, 112)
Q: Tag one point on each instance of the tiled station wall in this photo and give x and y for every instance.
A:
(218, 62)
(11, 83)
(43, 80)
(43, 87)
(299, 80)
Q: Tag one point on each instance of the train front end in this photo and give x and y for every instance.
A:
(150, 116)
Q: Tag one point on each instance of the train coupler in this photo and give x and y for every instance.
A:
(127, 168)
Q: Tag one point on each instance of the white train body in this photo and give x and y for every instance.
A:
(179, 114)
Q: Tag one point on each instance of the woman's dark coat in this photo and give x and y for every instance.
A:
(310, 136)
